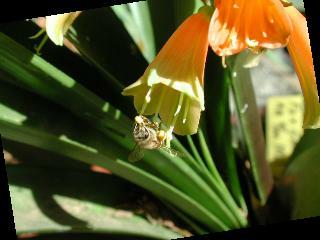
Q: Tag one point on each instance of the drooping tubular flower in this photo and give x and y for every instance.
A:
(58, 25)
(172, 85)
(254, 24)
(300, 51)
(267, 24)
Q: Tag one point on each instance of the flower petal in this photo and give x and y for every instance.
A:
(58, 25)
(172, 85)
(238, 24)
(300, 51)
(187, 120)
(180, 63)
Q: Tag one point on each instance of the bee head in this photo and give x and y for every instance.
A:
(139, 120)
(161, 135)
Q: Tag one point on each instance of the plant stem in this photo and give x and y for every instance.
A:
(222, 189)
(195, 152)
(208, 158)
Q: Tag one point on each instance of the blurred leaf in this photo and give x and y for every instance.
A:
(136, 18)
(299, 187)
(24, 154)
(109, 47)
(251, 126)
(77, 202)
(148, 29)
(299, 4)
(111, 50)
(310, 138)
(167, 15)
(184, 8)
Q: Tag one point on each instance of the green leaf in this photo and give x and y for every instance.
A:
(136, 18)
(167, 15)
(184, 8)
(76, 202)
(109, 47)
(147, 28)
(310, 137)
(179, 174)
(24, 154)
(299, 186)
(298, 189)
(19, 66)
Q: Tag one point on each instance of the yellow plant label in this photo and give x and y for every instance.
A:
(284, 117)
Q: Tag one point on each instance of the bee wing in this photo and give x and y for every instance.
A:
(136, 154)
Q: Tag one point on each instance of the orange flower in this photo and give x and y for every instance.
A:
(255, 24)
(300, 52)
(172, 85)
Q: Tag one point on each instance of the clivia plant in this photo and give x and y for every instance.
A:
(155, 84)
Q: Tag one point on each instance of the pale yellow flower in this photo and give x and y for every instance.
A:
(58, 25)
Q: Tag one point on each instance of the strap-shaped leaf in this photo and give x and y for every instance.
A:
(48, 200)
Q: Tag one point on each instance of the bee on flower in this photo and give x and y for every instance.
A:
(172, 85)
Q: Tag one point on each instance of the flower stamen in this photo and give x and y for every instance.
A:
(169, 136)
(163, 92)
(223, 61)
(174, 119)
(178, 108)
(38, 34)
(186, 110)
(41, 44)
(147, 100)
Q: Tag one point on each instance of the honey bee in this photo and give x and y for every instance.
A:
(147, 135)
